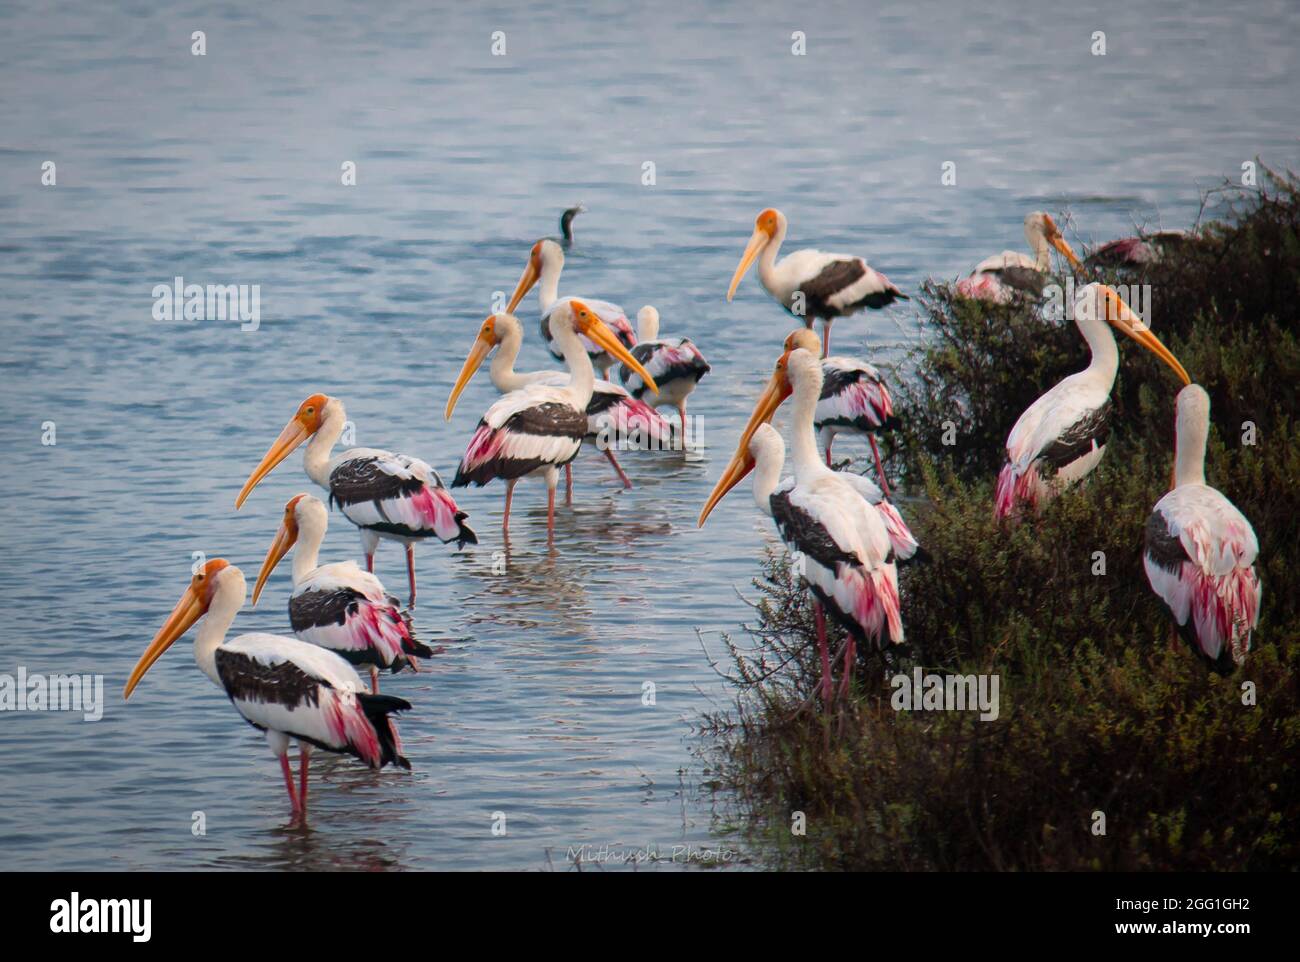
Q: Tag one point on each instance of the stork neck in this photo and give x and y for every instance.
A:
(306, 553)
(1042, 253)
(1189, 452)
(582, 377)
(803, 434)
(226, 602)
(504, 377)
(316, 459)
(767, 259)
(1105, 353)
(548, 285)
(767, 474)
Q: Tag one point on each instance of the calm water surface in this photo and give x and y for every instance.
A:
(225, 169)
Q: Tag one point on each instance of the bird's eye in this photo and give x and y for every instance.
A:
(311, 410)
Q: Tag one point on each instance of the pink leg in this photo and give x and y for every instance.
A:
(826, 339)
(609, 453)
(505, 518)
(374, 680)
(304, 756)
(682, 411)
(370, 561)
(880, 468)
(410, 572)
(823, 651)
(568, 483)
(550, 514)
(829, 442)
(850, 653)
(288, 783)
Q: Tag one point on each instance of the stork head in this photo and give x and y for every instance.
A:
(779, 387)
(803, 337)
(1039, 226)
(193, 605)
(285, 538)
(647, 323)
(493, 331)
(1100, 303)
(769, 223)
(306, 422)
(581, 319)
(544, 253)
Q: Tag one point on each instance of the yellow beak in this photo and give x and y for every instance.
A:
(757, 241)
(284, 540)
(187, 611)
(586, 322)
(294, 433)
(742, 462)
(1121, 317)
(1066, 251)
(481, 349)
(526, 281)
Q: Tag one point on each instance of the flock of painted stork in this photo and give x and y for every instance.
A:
(1199, 553)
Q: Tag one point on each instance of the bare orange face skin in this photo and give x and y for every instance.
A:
(766, 222)
(304, 423)
(742, 462)
(193, 605)
(311, 411)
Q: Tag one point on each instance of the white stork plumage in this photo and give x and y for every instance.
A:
(538, 429)
(545, 264)
(675, 363)
(825, 286)
(854, 400)
(1200, 550)
(614, 417)
(389, 497)
(1062, 436)
(848, 559)
(998, 277)
(289, 689)
(338, 606)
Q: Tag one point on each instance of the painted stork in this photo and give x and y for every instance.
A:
(613, 415)
(847, 557)
(338, 606)
(287, 688)
(1200, 550)
(389, 497)
(566, 225)
(539, 428)
(998, 277)
(825, 286)
(675, 363)
(1062, 436)
(1134, 252)
(854, 400)
(545, 263)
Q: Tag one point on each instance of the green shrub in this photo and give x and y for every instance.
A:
(1099, 713)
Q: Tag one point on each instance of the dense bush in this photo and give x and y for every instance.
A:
(1099, 711)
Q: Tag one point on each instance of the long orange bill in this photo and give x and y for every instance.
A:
(284, 540)
(294, 433)
(742, 462)
(756, 242)
(526, 281)
(187, 611)
(1060, 243)
(1121, 317)
(600, 334)
(477, 354)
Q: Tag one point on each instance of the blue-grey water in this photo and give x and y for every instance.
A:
(226, 169)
